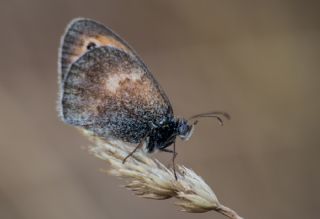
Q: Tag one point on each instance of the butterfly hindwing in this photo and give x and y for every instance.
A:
(111, 93)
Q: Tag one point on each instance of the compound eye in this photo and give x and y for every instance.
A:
(185, 131)
(184, 128)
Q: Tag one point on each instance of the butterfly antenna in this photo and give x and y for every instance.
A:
(217, 115)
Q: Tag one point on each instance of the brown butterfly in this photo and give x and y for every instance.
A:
(105, 88)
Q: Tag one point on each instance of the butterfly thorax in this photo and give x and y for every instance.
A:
(163, 135)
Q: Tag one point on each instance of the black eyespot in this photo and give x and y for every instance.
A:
(91, 45)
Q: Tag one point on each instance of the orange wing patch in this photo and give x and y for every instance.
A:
(109, 41)
(97, 41)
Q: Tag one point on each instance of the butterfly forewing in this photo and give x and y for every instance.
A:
(79, 35)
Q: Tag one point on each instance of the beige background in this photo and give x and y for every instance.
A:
(257, 60)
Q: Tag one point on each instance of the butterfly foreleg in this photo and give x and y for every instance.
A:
(173, 158)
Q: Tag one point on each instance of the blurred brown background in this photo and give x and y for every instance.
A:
(259, 61)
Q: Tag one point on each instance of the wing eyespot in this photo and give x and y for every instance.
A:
(91, 45)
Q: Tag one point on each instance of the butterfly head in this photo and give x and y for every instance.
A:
(184, 129)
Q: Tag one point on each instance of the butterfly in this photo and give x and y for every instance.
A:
(106, 89)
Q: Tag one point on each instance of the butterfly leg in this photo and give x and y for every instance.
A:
(132, 152)
(173, 158)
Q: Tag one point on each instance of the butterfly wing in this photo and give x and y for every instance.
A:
(108, 90)
(79, 34)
